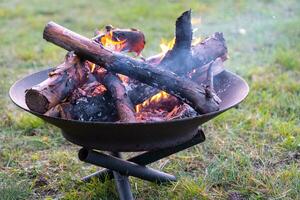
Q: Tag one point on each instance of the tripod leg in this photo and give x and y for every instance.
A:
(122, 183)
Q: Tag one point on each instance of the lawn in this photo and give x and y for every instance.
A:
(253, 151)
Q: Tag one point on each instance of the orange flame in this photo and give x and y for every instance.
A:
(167, 45)
(108, 41)
(154, 99)
(93, 66)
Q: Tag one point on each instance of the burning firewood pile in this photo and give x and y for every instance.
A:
(107, 79)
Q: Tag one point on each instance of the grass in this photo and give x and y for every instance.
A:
(252, 150)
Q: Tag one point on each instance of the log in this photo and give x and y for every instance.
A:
(60, 84)
(121, 100)
(186, 90)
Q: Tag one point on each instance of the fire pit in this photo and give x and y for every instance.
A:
(223, 90)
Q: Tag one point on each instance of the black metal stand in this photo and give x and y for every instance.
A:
(119, 169)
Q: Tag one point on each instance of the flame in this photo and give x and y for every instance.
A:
(123, 78)
(166, 45)
(154, 99)
(108, 41)
(93, 66)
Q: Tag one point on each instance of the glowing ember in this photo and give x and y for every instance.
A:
(123, 78)
(154, 99)
(92, 66)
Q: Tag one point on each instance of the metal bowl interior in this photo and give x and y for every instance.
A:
(123, 137)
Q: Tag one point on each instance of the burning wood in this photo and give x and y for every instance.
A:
(181, 57)
(98, 94)
(129, 40)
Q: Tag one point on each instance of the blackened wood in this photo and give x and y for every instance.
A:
(122, 102)
(60, 84)
(179, 57)
(140, 92)
(95, 108)
(186, 90)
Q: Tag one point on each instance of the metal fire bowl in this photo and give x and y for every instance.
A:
(122, 137)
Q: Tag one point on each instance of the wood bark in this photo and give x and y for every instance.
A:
(60, 84)
(186, 90)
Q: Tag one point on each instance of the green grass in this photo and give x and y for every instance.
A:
(252, 150)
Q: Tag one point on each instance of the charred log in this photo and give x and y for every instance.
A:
(60, 84)
(184, 89)
(86, 108)
(179, 57)
(96, 108)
